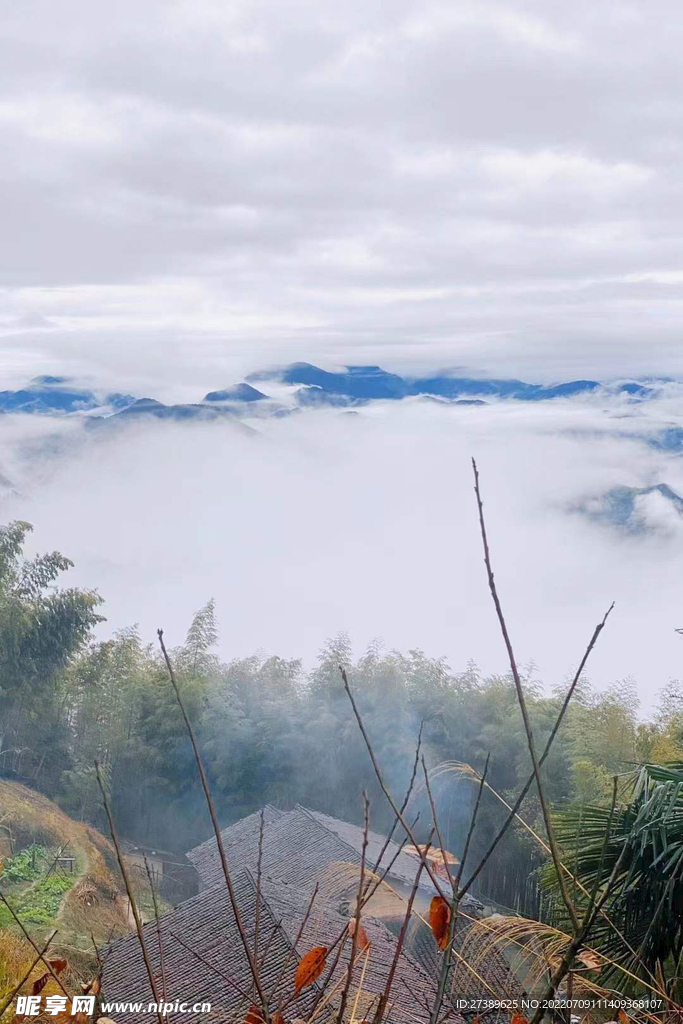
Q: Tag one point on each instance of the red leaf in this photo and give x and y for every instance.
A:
(439, 920)
(311, 967)
(362, 940)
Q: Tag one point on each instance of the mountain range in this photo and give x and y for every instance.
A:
(299, 386)
(308, 386)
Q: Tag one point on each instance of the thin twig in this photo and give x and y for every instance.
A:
(295, 945)
(545, 809)
(253, 966)
(359, 901)
(406, 800)
(530, 781)
(212, 967)
(131, 897)
(259, 863)
(399, 813)
(384, 998)
(455, 906)
(339, 943)
(360, 985)
(28, 938)
(13, 993)
(373, 884)
(436, 824)
(266, 949)
(473, 822)
(158, 924)
(594, 908)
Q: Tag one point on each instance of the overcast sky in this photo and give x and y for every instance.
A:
(193, 188)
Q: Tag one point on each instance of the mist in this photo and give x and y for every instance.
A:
(366, 522)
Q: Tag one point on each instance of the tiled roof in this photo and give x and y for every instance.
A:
(206, 924)
(293, 840)
(403, 867)
(240, 841)
(302, 846)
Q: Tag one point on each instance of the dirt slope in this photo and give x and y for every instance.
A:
(88, 904)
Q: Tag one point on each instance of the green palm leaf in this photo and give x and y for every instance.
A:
(646, 896)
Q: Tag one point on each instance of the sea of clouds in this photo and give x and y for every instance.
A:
(365, 521)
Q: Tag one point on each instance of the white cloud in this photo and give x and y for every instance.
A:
(217, 167)
(326, 521)
(191, 190)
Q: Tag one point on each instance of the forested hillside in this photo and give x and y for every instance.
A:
(271, 731)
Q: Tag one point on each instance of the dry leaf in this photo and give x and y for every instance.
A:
(40, 984)
(254, 1015)
(58, 965)
(277, 1018)
(434, 854)
(362, 940)
(439, 919)
(623, 1017)
(310, 968)
(589, 958)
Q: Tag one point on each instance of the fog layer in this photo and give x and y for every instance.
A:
(366, 522)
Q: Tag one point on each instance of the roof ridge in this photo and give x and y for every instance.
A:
(329, 831)
(212, 838)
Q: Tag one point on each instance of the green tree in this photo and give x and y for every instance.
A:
(42, 628)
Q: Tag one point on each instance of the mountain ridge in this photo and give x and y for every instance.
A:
(312, 386)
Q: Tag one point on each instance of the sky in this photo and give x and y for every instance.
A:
(195, 188)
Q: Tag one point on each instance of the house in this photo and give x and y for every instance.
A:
(204, 958)
(303, 843)
(137, 854)
(172, 875)
(302, 852)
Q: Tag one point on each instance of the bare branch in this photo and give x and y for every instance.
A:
(131, 896)
(399, 813)
(473, 822)
(212, 967)
(406, 800)
(295, 945)
(359, 903)
(13, 993)
(552, 842)
(436, 825)
(455, 906)
(558, 722)
(158, 924)
(253, 966)
(384, 998)
(28, 938)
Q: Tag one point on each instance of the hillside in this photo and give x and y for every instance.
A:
(82, 897)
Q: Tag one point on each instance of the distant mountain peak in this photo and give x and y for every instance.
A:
(237, 393)
(47, 380)
(621, 506)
